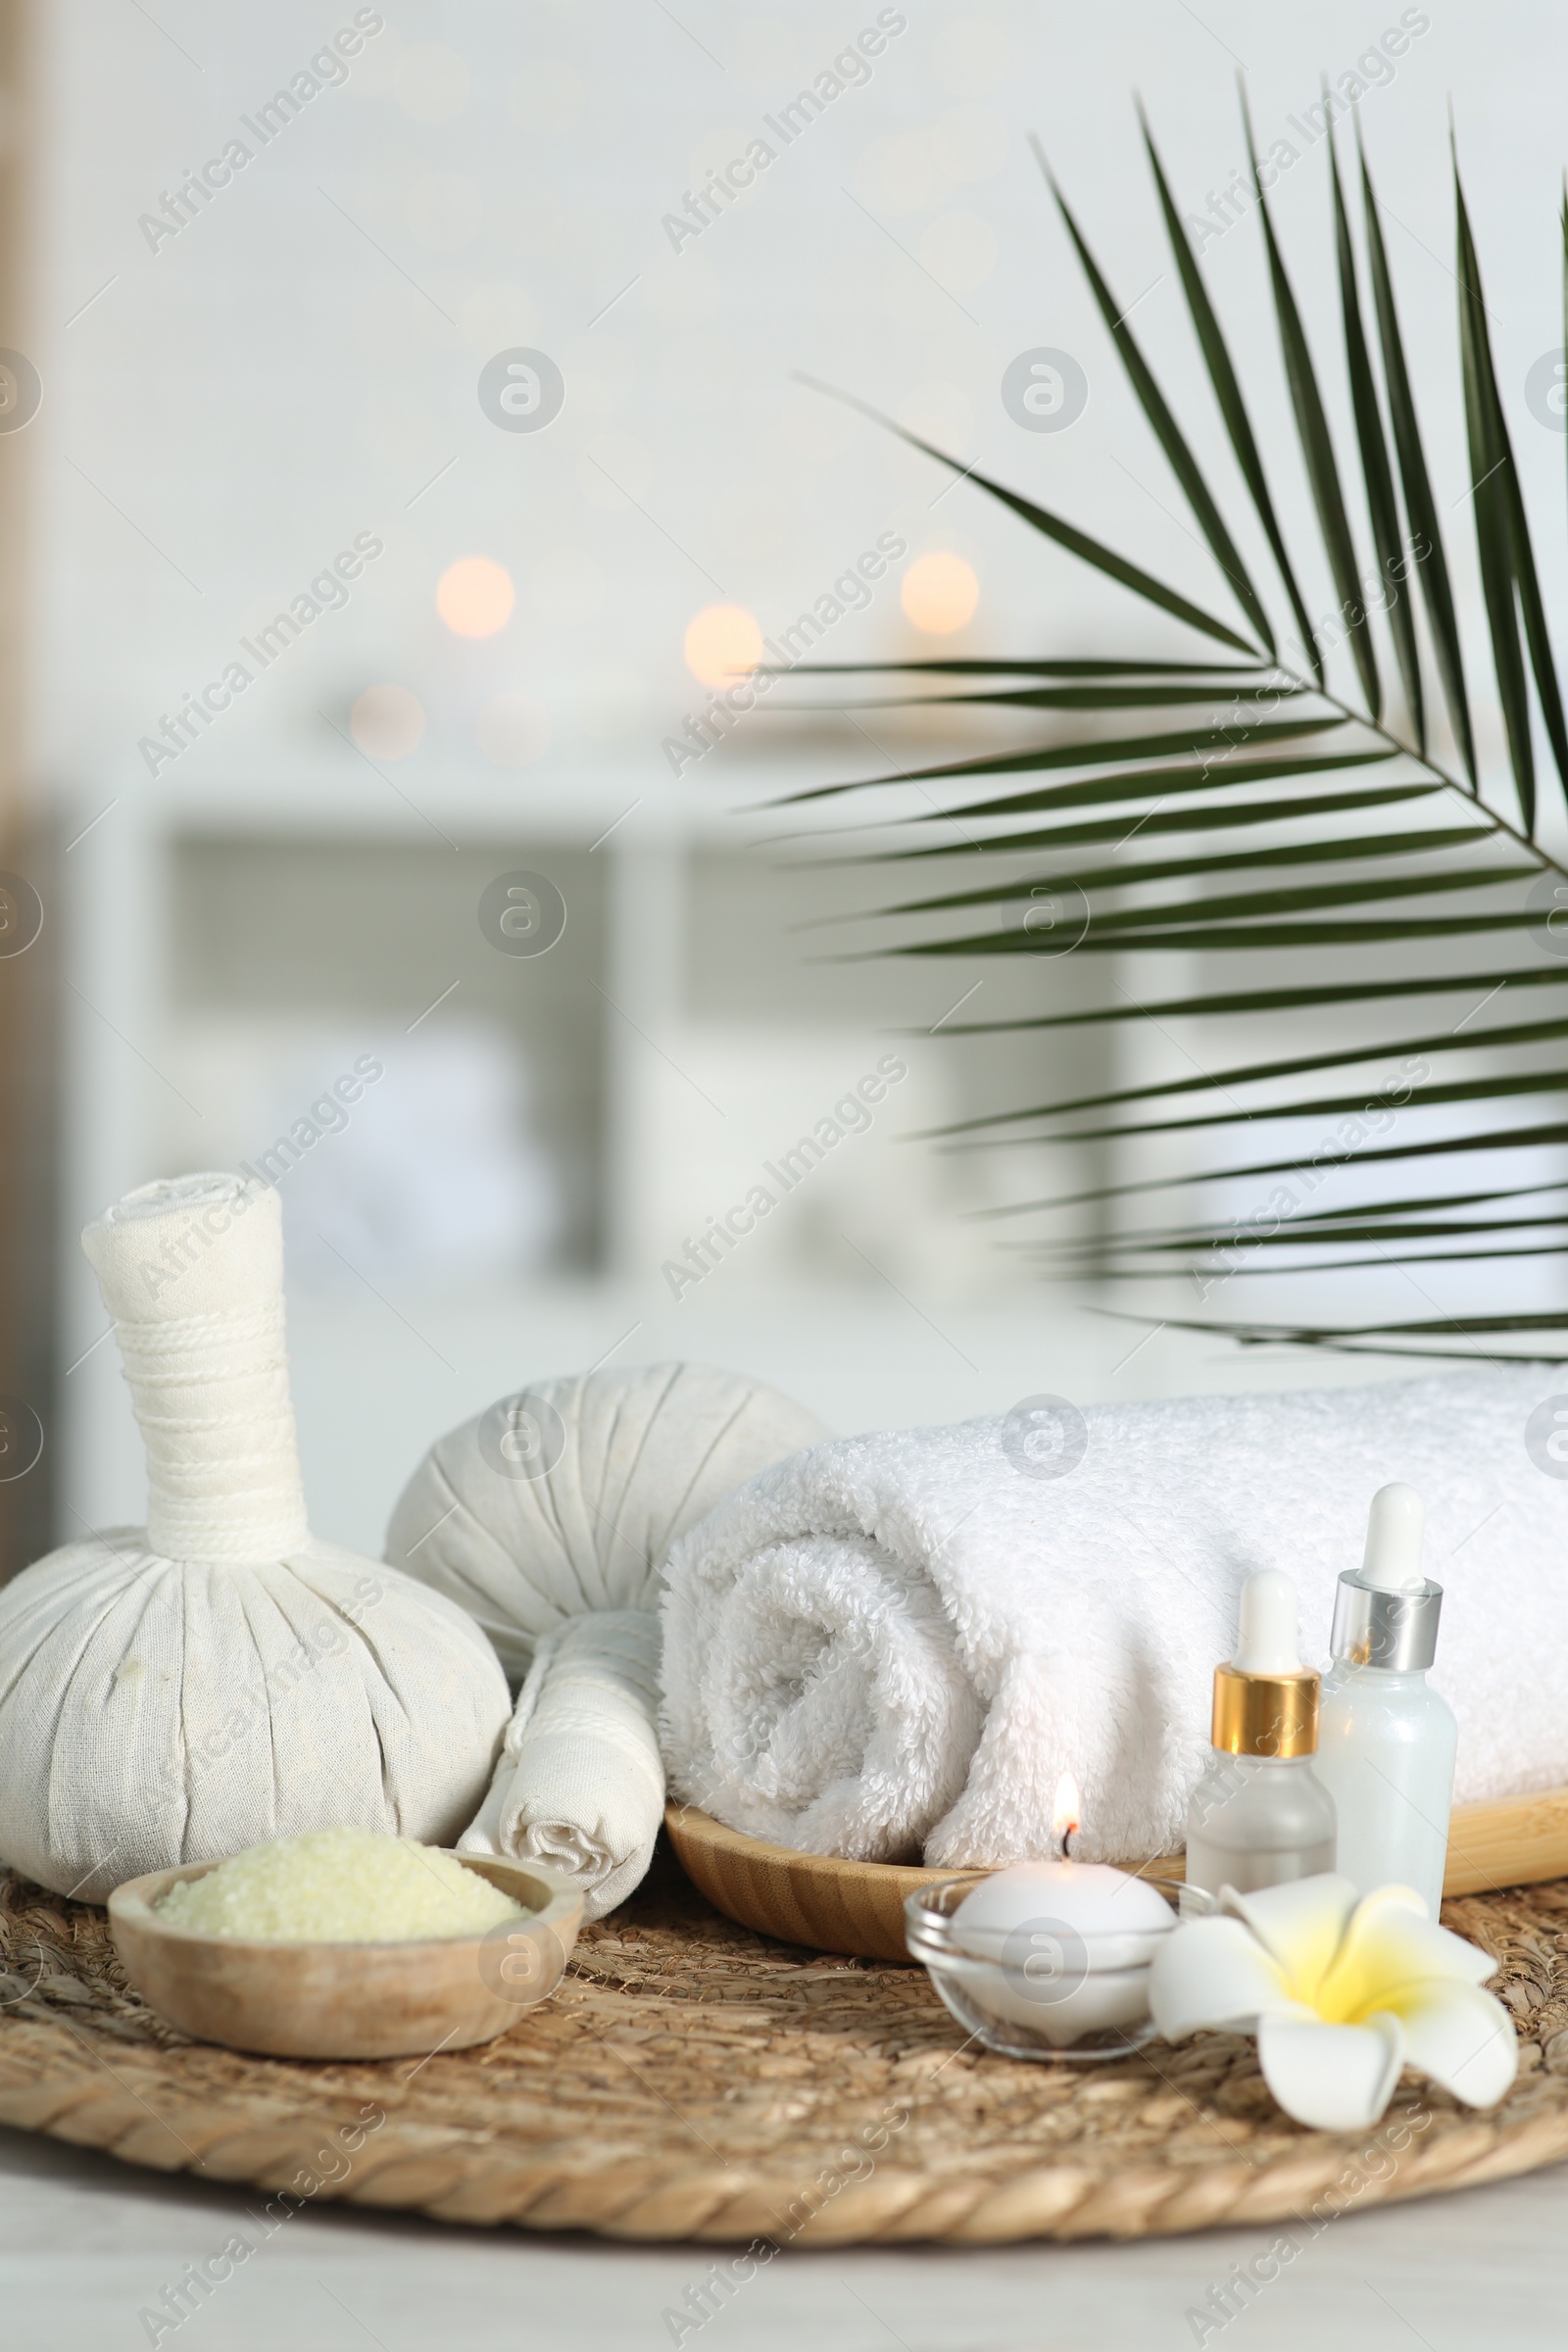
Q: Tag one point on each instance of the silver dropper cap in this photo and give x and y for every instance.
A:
(1387, 1614)
(1395, 1631)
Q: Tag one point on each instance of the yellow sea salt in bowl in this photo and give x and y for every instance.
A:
(338, 1886)
(346, 1943)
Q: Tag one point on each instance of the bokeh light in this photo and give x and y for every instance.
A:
(939, 593)
(474, 596)
(387, 722)
(723, 641)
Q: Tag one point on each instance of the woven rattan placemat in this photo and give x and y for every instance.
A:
(693, 2081)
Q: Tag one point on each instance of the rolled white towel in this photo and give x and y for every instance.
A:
(550, 1518)
(896, 1644)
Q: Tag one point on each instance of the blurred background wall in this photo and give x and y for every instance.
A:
(324, 623)
(29, 1102)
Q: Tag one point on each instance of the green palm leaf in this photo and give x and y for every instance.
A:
(1066, 534)
(1322, 470)
(1324, 1237)
(1228, 392)
(1521, 1033)
(1196, 938)
(1551, 1134)
(1255, 839)
(1119, 695)
(1271, 1000)
(1328, 1106)
(1371, 1217)
(1131, 784)
(1504, 497)
(1419, 504)
(1488, 459)
(1173, 870)
(971, 669)
(1376, 470)
(1172, 440)
(1237, 817)
(1378, 1339)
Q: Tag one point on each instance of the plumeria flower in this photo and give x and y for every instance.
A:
(1341, 1994)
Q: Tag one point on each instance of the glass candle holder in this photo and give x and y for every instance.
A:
(1045, 1988)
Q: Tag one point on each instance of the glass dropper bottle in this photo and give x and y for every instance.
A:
(1388, 1739)
(1259, 1815)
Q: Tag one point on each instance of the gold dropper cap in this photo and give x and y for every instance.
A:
(1265, 1714)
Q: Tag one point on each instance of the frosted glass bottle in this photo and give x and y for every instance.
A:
(1256, 1821)
(1386, 1738)
(1386, 1750)
(1259, 1816)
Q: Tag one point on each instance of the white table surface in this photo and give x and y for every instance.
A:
(86, 2244)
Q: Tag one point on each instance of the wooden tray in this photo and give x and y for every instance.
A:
(690, 2080)
(857, 1907)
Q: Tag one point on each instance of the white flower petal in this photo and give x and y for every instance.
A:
(1459, 2035)
(1299, 1923)
(1334, 2077)
(1390, 1944)
(1212, 1972)
(1391, 1897)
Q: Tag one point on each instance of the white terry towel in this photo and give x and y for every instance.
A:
(895, 1644)
(550, 1518)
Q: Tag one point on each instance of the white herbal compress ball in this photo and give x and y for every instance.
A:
(550, 1517)
(176, 1693)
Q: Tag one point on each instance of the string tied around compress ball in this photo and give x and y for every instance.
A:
(192, 1272)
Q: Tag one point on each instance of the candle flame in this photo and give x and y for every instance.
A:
(1065, 1812)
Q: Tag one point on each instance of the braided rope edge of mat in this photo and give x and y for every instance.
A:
(138, 2092)
(727, 2204)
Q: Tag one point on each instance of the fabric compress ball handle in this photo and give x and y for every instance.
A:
(192, 1273)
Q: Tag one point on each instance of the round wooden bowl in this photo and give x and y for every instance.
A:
(350, 2000)
(832, 1905)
